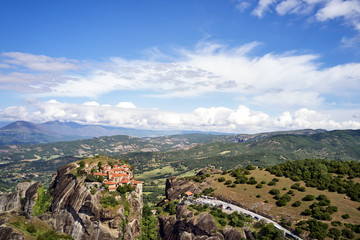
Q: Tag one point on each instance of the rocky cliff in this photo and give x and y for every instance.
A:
(22, 199)
(76, 211)
(185, 226)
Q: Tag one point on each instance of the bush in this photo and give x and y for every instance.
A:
(228, 182)
(272, 183)
(222, 222)
(308, 198)
(109, 201)
(296, 204)
(274, 191)
(252, 181)
(221, 179)
(345, 216)
(31, 228)
(259, 186)
(124, 189)
(348, 234)
(42, 203)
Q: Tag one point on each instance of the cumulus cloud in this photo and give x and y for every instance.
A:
(239, 120)
(287, 80)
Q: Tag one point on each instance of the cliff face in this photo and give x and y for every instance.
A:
(75, 211)
(175, 187)
(185, 226)
(24, 190)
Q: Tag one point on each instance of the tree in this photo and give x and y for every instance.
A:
(100, 166)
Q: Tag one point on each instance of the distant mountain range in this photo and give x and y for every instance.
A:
(26, 132)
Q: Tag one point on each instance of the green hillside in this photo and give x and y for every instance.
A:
(179, 154)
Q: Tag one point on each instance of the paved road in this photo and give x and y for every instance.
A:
(242, 210)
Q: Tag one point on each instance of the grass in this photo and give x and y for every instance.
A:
(31, 228)
(246, 195)
(156, 173)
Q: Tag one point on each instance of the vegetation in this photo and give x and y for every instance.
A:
(148, 226)
(109, 201)
(42, 202)
(322, 174)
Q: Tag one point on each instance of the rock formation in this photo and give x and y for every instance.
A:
(176, 186)
(13, 201)
(185, 226)
(75, 211)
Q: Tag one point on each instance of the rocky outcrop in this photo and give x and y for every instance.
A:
(7, 232)
(185, 226)
(176, 186)
(75, 211)
(12, 201)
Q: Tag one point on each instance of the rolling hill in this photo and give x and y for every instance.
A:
(180, 154)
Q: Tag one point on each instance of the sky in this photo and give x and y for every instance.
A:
(236, 66)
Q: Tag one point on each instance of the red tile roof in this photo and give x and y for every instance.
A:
(119, 175)
(110, 183)
(100, 174)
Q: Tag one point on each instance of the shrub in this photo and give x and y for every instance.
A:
(308, 198)
(296, 204)
(228, 182)
(252, 181)
(347, 233)
(345, 216)
(109, 201)
(42, 203)
(272, 183)
(259, 186)
(222, 222)
(31, 228)
(274, 191)
(221, 179)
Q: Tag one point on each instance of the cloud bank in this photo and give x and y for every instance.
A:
(287, 81)
(126, 114)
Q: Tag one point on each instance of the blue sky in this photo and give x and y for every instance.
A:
(221, 65)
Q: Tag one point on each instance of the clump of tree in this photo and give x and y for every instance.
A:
(124, 189)
(208, 191)
(269, 231)
(321, 210)
(317, 229)
(283, 200)
(323, 174)
(148, 224)
(109, 201)
(42, 202)
(234, 219)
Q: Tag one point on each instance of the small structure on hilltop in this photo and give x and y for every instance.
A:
(114, 175)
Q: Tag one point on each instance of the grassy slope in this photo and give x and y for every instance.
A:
(246, 195)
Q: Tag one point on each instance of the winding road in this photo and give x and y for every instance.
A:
(256, 216)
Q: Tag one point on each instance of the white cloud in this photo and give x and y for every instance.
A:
(242, 5)
(222, 119)
(287, 80)
(349, 9)
(38, 62)
(262, 7)
(319, 10)
(128, 105)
